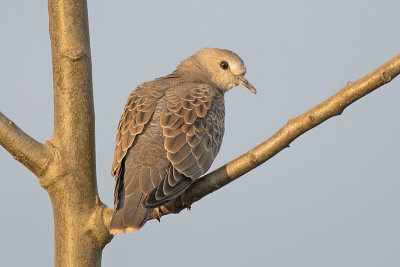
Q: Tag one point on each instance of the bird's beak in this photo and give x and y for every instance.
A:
(242, 81)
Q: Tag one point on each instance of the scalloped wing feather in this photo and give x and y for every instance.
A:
(193, 126)
(137, 113)
(192, 112)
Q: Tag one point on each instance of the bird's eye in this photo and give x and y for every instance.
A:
(224, 65)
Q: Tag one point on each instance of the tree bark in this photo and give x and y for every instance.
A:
(65, 165)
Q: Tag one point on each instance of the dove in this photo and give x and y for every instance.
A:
(169, 134)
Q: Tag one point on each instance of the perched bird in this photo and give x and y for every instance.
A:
(169, 134)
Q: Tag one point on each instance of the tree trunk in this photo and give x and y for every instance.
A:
(80, 233)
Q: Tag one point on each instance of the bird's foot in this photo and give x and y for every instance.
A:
(159, 213)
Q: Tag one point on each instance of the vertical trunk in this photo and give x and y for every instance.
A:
(72, 186)
(74, 243)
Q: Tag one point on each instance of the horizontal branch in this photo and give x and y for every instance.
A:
(333, 106)
(31, 153)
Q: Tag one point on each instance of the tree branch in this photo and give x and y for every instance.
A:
(31, 153)
(333, 106)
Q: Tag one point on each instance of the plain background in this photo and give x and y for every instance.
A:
(331, 199)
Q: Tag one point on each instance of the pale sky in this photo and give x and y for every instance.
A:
(331, 199)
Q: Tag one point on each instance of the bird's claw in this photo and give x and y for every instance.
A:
(159, 213)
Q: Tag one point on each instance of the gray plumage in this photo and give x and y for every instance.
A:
(170, 133)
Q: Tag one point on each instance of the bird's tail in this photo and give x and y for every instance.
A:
(131, 216)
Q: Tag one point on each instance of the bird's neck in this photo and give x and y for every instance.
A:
(190, 69)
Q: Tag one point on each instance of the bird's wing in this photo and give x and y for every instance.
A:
(193, 127)
(137, 113)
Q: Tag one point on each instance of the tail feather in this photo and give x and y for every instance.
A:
(131, 216)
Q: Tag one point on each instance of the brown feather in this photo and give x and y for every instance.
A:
(127, 140)
(174, 107)
(155, 177)
(119, 154)
(179, 156)
(144, 181)
(186, 104)
(199, 150)
(174, 144)
(167, 119)
(178, 123)
(201, 111)
(133, 184)
(193, 140)
(188, 166)
(190, 116)
(181, 112)
(168, 132)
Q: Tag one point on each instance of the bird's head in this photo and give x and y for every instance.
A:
(219, 67)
